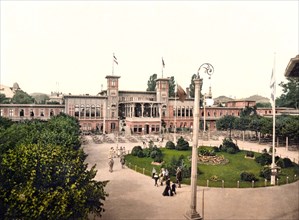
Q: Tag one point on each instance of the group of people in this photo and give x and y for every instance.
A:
(120, 153)
(113, 153)
(170, 188)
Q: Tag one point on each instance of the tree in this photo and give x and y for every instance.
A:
(3, 99)
(226, 123)
(43, 174)
(248, 111)
(151, 83)
(22, 97)
(5, 122)
(192, 86)
(48, 182)
(182, 144)
(263, 105)
(171, 92)
(290, 96)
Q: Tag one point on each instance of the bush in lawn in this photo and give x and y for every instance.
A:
(170, 145)
(288, 162)
(136, 150)
(265, 172)
(264, 159)
(182, 144)
(147, 152)
(156, 154)
(231, 150)
(249, 154)
(284, 163)
(140, 154)
(216, 149)
(247, 176)
(174, 163)
(229, 146)
(206, 152)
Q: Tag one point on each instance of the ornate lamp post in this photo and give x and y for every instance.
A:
(192, 213)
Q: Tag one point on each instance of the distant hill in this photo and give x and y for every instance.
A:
(258, 99)
(40, 97)
(222, 99)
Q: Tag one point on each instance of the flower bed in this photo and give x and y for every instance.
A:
(212, 160)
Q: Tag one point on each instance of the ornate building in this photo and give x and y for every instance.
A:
(130, 112)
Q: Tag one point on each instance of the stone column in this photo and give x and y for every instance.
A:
(192, 213)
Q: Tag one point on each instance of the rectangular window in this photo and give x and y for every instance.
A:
(10, 112)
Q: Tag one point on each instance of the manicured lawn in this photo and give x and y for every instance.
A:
(229, 173)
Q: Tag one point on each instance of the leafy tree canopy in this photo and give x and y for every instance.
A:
(3, 99)
(290, 96)
(192, 86)
(22, 97)
(43, 174)
(151, 83)
(171, 92)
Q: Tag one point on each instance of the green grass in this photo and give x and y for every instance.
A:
(229, 173)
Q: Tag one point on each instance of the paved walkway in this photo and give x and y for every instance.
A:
(134, 196)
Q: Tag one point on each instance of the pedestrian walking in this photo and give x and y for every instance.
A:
(173, 188)
(156, 177)
(179, 176)
(111, 163)
(122, 161)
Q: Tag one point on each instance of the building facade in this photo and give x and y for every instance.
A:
(131, 112)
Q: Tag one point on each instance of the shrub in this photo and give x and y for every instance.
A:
(265, 172)
(140, 154)
(182, 144)
(216, 149)
(170, 145)
(247, 176)
(206, 152)
(284, 163)
(264, 159)
(231, 150)
(229, 146)
(136, 150)
(158, 158)
(153, 154)
(249, 154)
(288, 162)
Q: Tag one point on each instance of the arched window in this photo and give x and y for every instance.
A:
(93, 109)
(98, 111)
(51, 113)
(22, 113)
(76, 110)
(31, 113)
(87, 111)
(82, 109)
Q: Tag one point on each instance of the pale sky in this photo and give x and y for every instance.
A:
(68, 45)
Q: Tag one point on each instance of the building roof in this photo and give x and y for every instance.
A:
(292, 69)
(7, 91)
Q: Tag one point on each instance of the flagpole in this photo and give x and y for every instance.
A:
(273, 169)
(163, 66)
(113, 64)
(175, 113)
